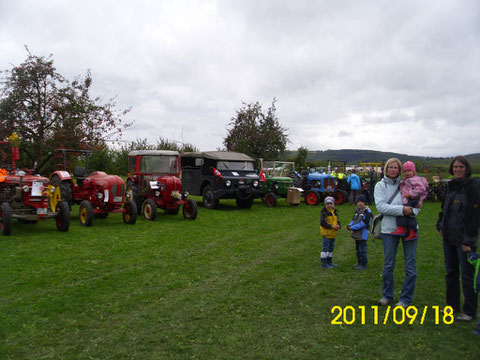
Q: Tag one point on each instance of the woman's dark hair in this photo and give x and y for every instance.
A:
(464, 161)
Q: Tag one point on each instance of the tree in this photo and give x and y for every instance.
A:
(301, 158)
(47, 111)
(255, 133)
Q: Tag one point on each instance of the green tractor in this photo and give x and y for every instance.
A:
(275, 181)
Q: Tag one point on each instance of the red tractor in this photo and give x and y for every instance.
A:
(25, 196)
(96, 192)
(154, 182)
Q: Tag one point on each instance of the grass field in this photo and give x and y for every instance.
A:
(233, 284)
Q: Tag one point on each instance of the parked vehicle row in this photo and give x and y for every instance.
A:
(153, 183)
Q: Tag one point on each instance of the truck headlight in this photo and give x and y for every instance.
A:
(228, 183)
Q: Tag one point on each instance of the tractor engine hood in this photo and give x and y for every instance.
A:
(169, 183)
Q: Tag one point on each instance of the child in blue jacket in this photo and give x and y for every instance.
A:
(360, 228)
(474, 259)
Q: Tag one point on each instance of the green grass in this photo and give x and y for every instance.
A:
(233, 284)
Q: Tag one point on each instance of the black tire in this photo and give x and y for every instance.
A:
(86, 213)
(340, 197)
(131, 213)
(297, 181)
(63, 216)
(312, 197)
(190, 210)
(132, 192)
(149, 209)
(65, 188)
(6, 219)
(244, 203)
(270, 200)
(208, 199)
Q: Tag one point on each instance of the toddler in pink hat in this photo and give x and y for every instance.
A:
(414, 190)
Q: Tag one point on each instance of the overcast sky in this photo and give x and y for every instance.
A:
(400, 76)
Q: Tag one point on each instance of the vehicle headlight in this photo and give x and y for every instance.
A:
(157, 193)
(26, 188)
(255, 183)
(228, 183)
(100, 195)
(275, 186)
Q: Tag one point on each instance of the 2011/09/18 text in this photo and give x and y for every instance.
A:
(397, 314)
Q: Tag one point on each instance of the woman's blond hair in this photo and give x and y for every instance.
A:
(389, 162)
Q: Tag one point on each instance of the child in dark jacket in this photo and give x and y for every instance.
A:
(474, 259)
(360, 228)
(329, 225)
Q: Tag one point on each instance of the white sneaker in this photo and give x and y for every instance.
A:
(383, 301)
(464, 318)
(402, 304)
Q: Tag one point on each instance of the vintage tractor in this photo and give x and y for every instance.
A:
(275, 180)
(25, 196)
(154, 182)
(318, 186)
(97, 193)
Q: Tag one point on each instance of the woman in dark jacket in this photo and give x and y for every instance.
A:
(458, 225)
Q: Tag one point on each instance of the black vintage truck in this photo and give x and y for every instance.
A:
(216, 175)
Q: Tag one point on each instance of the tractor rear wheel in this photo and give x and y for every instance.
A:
(131, 213)
(190, 210)
(244, 203)
(312, 197)
(270, 200)
(63, 216)
(6, 219)
(208, 199)
(340, 197)
(86, 213)
(65, 188)
(149, 209)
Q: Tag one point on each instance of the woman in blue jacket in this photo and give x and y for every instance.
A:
(389, 203)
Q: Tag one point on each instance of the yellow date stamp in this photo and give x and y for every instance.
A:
(398, 315)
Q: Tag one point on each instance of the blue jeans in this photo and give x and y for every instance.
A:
(361, 249)
(456, 261)
(390, 246)
(328, 246)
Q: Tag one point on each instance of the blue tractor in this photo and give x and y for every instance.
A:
(318, 185)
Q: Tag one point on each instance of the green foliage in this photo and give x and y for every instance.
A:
(257, 134)
(301, 158)
(233, 284)
(48, 111)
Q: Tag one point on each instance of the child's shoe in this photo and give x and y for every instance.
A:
(401, 231)
(412, 235)
(330, 262)
(325, 264)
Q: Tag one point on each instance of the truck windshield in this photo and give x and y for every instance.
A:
(159, 164)
(236, 165)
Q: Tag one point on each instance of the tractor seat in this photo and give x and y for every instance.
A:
(80, 173)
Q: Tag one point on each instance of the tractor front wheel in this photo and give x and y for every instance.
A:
(63, 216)
(6, 219)
(65, 188)
(86, 213)
(340, 197)
(270, 200)
(131, 213)
(190, 210)
(149, 209)
(312, 197)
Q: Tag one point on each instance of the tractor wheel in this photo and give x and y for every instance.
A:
(190, 210)
(312, 197)
(244, 203)
(6, 219)
(65, 188)
(132, 193)
(340, 197)
(208, 199)
(297, 181)
(63, 216)
(86, 213)
(149, 209)
(172, 211)
(130, 215)
(270, 200)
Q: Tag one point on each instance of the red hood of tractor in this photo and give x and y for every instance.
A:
(99, 178)
(27, 179)
(172, 183)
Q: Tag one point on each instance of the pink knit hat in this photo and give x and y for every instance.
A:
(408, 165)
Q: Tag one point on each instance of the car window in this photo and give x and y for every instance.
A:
(236, 165)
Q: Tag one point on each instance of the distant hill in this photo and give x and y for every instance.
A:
(353, 156)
